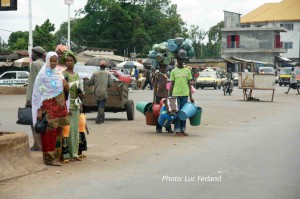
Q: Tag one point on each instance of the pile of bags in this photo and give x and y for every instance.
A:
(173, 48)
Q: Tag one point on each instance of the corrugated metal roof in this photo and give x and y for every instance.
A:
(286, 10)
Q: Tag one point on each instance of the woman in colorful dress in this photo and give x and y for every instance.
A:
(48, 99)
(74, 102)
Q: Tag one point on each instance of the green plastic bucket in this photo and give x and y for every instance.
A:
(195, 120)
(143, 107)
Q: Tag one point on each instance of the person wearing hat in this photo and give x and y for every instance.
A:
(101, 80)
(37, 58)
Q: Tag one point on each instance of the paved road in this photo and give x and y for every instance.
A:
(241, 150)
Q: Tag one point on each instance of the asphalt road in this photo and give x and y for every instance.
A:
(241, 150)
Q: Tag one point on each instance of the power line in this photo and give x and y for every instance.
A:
(6, 30)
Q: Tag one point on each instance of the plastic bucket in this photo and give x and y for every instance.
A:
(179, 41)
(188, 110)
(166, 60)
(165, 119)
(173, 47)
(155, 110)
(150, 119)
(143, 107)
(195, 120)
(159, 57)
(182, 53)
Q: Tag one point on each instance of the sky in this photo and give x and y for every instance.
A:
(204, 13)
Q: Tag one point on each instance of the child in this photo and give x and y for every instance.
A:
(82, 127)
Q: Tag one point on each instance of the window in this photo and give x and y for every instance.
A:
(233, 41)
(9, 76)
(288, 26)
(22, 75)
(288, 45)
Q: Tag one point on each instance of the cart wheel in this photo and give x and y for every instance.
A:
(130, 109)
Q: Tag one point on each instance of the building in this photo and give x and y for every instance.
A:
(260, 44)
(274, 15)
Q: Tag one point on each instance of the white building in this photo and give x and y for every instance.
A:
(285, 14)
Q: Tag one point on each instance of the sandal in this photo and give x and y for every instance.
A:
(184, 133)
(55, 163)
(77, 159)
(66, 161)
(179, 134)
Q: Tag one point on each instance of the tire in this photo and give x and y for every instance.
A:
(219, 87)
(130, 110)
(215, 86)
(202, 87)
(280, 84)
(196, 87)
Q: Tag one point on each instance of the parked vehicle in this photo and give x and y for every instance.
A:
(122, 77)
(267, 70)
(14, 78)
(236, 79)
(284, 76)
(208, 79)
(117, 100)
(297, 71)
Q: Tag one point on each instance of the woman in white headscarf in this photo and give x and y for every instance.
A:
(48, 98)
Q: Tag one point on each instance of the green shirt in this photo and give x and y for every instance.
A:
(73, 88)
(181, 76)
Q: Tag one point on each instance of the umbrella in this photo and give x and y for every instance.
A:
(94, 61)
(22, 62)
(130, 64)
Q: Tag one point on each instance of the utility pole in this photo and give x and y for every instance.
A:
(69, 3)
(30, 40)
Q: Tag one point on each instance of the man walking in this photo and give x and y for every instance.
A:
(37, 58)
(148, 79)
(181, 88)
(293, 82)
(101, 80)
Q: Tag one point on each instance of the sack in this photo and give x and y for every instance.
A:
(192, 89)
(24, 116)
(41, 125)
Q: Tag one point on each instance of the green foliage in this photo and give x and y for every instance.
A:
(18, 40)
(43, 36)
(197, 36)
(124, 24)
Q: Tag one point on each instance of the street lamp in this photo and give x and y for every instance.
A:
(69, 2)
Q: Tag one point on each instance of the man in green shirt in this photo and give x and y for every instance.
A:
(180, 88)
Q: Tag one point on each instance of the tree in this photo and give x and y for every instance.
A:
(123, 24)
(197, 36)
(18, 40)
(43, 36)
(213, 47)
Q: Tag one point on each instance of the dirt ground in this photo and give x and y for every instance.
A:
(120, 142)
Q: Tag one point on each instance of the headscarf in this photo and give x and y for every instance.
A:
(66, 54)
(48, 84)
(61, 48)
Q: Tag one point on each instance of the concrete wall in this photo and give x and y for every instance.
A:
(290, 36)
(231, 19)
(254, 45)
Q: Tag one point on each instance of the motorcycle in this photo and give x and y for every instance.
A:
(227, 87)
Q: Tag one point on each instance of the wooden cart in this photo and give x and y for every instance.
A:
(117, 100)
